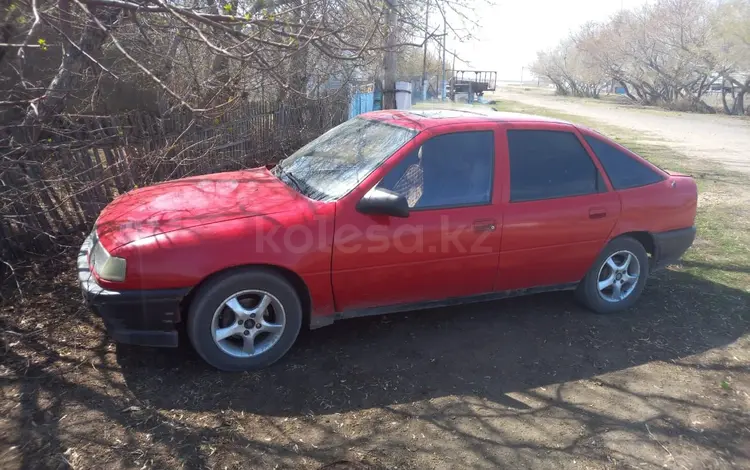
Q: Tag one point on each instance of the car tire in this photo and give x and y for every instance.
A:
(244, 320)
(608, 286)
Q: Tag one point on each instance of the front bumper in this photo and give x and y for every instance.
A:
(670, 246)
(141, 317)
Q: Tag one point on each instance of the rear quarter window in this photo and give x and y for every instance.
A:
(623, 170)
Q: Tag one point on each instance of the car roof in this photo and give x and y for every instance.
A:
(421, 119)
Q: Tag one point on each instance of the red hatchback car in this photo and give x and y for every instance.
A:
(390, 211)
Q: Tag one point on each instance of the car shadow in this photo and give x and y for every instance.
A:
(485, 350)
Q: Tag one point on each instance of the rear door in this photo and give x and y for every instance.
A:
(559, 210)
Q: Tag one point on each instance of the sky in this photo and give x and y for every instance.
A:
(512, 31)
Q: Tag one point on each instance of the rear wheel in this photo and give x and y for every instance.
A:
(617, 279)
(244, 320)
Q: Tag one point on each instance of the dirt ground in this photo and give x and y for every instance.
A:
(720, 138)
(527, 383)
(535, 382)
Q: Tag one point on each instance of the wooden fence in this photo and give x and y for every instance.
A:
(58, 188)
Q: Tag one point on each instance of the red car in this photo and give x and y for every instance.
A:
(390, 211)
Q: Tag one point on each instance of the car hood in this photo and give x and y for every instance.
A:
(190, 202)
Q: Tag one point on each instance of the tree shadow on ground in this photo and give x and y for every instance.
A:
(719, 267)
(484, 350)
(483, 381)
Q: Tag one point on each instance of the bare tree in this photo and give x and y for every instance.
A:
(731, 22)
(668, 53)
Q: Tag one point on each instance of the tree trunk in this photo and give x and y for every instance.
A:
(627, 90)
(724, 99)
(739, 103)
(389, 58)
(68, 74)
(738, 107)
(642, 94)
(700, 105)
(559, 87)
(219, 67)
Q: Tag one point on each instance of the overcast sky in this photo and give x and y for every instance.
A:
(512, 31)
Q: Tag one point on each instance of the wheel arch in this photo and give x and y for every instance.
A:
(290, 276)
(644, 238)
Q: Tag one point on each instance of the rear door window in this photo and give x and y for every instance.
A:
(549, 164)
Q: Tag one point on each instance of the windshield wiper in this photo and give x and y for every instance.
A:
(295, 181)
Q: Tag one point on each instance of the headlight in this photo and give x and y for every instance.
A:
(107, 267)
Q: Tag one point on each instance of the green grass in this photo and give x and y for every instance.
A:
(721, 253)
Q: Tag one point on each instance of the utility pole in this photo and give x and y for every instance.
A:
(424, 59)
(389, 58)
(453, 72)
(445, 38)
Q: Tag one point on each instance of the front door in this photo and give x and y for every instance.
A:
(447, 247)
(559, 211)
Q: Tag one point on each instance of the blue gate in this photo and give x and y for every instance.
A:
(361, 103)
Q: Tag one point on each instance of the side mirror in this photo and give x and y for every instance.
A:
(383, 202)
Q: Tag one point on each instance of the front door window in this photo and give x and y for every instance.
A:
(449, 170)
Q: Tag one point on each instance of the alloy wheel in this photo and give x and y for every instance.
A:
(618, 276)
(248, 323)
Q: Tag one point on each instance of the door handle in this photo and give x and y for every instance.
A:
(597, 213)
(486, 225)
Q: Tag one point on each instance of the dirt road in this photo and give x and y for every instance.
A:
(715, 137)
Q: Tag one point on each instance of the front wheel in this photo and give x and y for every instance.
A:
(617, 279)
(244, 320)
